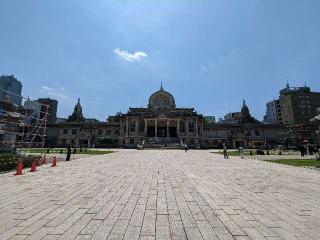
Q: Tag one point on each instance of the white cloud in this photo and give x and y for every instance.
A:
(47, 88)
(54, 93)
(130, 57)
(211, 66)
(221, 62)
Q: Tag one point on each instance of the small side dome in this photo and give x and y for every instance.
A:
(161, 99)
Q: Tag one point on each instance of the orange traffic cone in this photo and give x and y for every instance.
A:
(54, 162)
(33, 166)
(19, 168)
(44, 161)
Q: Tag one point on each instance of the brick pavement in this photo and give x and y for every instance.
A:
(158, 194)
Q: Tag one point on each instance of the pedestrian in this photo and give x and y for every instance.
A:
(317, 153)
(225, 151)
(186, 148)
(302, 150)
(241, 152)
(68, 153)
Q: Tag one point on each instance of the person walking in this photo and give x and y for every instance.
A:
(68, 153)
(186, 148)
(241, 152)
(225, 151)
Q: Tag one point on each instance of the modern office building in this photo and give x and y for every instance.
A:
(35, 111)
(10, 89)
(52, 106)
(298, 105)
(273, 113)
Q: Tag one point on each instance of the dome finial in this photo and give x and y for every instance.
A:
(287, 85)
(78, 100)
(161, 88)
(244, 102)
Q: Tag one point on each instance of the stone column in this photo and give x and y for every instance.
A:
(168, 122)
(178, 128)
(137, 127)
(202, 129)
(145, 127)
(156, 128)
(196, 126)
(127, 127)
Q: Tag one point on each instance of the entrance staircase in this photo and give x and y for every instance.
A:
(161, 143)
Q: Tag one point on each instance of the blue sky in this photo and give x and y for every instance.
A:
(114, 54)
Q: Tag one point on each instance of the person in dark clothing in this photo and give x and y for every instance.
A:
(302, 150)
(225, 151)
(186, 148)
(68, 153)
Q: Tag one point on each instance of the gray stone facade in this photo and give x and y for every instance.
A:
(164, 124)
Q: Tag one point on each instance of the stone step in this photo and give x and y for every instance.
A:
(159, 146)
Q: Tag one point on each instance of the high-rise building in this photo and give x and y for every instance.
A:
(298, 105)
(273, 113)
(10, 89)
(35, 111)
(52, 108)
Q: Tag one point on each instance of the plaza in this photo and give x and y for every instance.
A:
(160, 194)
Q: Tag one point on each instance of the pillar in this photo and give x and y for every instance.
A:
(137, 127)
(187, 126)
(145, 127)
(156, 128)
(178, 128)
(196, 126)
(168, 122)
(127, 127)
(202, 133)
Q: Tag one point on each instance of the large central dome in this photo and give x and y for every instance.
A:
(161, 99)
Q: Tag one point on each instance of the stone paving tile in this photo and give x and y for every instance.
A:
(158, 194)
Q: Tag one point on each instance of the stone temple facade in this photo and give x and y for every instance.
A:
(162, 123)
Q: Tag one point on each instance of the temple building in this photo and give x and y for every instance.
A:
(162, 123)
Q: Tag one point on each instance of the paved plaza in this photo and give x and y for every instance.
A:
(159, 194)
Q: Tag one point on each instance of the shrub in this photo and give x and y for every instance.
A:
(9, 162)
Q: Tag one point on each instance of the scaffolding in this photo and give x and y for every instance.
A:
(29, 130)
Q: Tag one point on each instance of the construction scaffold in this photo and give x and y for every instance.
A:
(21, 124)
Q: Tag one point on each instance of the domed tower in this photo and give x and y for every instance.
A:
(77, 115)
(245, 114)
(245, 110)
(161, 99)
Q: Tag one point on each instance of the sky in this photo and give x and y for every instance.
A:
(114, 54)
